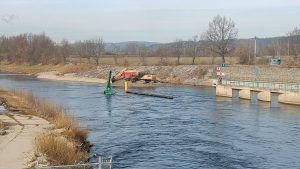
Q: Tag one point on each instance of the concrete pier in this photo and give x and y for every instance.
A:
(289, 98)
(264, 95)
(244, 94)
(225, 91)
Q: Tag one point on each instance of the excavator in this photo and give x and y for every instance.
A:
(133, 76)
(108, 90)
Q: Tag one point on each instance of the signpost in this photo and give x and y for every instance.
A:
(220, 71)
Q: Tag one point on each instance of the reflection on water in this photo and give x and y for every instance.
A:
(108, 103)
(194, 130)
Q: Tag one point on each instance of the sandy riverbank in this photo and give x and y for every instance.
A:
(22, 145)
(17, 145)
(54, 75)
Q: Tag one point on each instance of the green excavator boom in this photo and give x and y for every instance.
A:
(108, 90)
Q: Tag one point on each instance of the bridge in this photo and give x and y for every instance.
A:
(264, 86)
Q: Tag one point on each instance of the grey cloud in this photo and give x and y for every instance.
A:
(9, 19)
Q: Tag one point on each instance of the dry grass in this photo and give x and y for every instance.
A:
(34, 69)
(27, 68)
(54, 113)
(66, 146)
(59, 150)
(136, 60)
(75, 68)
(2, 125)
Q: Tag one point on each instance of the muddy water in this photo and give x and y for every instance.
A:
(194, 130)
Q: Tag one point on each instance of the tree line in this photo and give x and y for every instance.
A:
(220, 39)
(39, 48)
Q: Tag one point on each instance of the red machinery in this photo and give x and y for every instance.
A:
(133, 75)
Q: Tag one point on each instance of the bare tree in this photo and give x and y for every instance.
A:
(134, 48)
(116, 50)
(294, 42)
(163, 52)
(220, 35)
(244, 51)
(65, 50)
(90, 48)
(99, 45)
(195, 47)
(178, 49)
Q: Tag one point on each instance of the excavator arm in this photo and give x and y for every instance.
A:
(118, 76)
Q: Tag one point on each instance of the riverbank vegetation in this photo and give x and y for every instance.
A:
(2, 125)
(56, 114)
(24, 68)
(59, 150)
(66, 143)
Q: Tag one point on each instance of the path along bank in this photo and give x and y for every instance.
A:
(36, 130)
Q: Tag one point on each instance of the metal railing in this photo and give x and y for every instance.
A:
(257, 73)
(103, 163)
(294, 87)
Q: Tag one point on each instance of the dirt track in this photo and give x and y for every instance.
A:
(16, 147)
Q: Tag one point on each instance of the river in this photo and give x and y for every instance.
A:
(194, 130)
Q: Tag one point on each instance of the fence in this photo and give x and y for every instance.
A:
(262, 74)
(103, 163)
(294, 87)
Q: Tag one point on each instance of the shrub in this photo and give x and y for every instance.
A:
(2, 125)
(54, 113)
(59, 150)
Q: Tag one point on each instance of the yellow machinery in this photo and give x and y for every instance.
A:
(149, 78)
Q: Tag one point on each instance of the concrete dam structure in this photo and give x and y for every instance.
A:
(267, 95)
(264, 83)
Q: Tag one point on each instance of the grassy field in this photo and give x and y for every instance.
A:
(135, 60)
(26, 68)
(34, 69)
(88, 64)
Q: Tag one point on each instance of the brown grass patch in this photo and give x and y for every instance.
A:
(76, 68)
(59, 150)
(54, 113)
(2, 125)
(27, 68)
(34, 69)
(66, 146)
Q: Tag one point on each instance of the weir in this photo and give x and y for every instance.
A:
(259, 94)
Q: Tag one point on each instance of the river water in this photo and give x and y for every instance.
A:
(194, 130)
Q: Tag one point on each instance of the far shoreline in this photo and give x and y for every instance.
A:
(53, 75)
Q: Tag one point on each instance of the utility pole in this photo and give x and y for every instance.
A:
(254, 50)
(288, 46)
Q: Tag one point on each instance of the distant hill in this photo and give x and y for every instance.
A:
(111, 47)
(261, 42)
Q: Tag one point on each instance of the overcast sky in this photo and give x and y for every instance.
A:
(145, 20)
